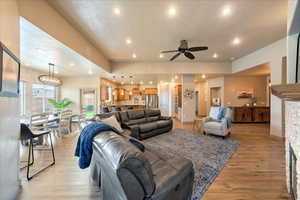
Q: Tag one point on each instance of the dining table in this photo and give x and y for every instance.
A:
(51, 118)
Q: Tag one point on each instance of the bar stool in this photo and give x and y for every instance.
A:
(27, 134)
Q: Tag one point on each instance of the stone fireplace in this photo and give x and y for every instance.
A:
(292, 146)
(293, 173)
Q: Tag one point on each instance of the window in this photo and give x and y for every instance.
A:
(40, 96)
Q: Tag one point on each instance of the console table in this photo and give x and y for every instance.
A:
(251, 114)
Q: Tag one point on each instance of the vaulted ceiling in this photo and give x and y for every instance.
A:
(149, 26)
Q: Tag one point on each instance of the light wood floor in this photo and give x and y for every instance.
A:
(255, 172)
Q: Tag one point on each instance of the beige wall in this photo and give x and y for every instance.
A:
(44, 16)
(171, 67)
(10, 110)
(213, 83)
(233, 84)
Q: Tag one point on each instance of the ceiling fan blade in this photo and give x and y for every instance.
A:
(189, 55)
(175, 56)
(197, 48)
(169, 51)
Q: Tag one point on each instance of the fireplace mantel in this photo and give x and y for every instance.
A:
(289, 92)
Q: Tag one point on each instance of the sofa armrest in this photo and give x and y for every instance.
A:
(165, 118)
(224, 123)
(135, 131)
(206, 119)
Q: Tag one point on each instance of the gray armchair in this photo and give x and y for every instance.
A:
(218, 125)
(124, 172)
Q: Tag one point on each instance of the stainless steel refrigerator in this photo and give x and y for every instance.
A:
(151, 101)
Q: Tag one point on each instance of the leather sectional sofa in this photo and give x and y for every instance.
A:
(142, 123)
(124, 172)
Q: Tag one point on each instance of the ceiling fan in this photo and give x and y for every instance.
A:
(183, 48)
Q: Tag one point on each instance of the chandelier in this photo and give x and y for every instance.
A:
(50, 79)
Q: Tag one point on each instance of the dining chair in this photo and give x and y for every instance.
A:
(79, 120)
(39, 122)
(63, 123)
(28, 134)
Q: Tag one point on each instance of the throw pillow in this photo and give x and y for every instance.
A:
(214, 113)
(221, 113)
(112, 121)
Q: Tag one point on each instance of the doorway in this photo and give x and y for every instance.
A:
(88, 100)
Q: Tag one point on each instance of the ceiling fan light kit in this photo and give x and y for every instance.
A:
(185, 50)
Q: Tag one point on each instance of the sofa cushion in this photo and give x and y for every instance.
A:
(167, 170)
(162, 123)
(136, 114)
(123, 116)
(112, 121)
(136, 121)
(151, 113)
(213, 125)
(147, 127)
(152, 119)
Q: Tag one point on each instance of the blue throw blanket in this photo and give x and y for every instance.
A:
(222, 117)
(84, 148)
(228, 120)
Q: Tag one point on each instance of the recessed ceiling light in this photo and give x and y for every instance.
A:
(134, 55)
(161, 55)
(128, 41)
(176, 77)
(117, 11)
(215, 55)
(203, 76)
(236, 41)
(171, 11)
(90, 72)
(226, 11)
(131, 82)
(172, 80)
(141, 82)
(232, 58)
(150, 82)
(72, 64)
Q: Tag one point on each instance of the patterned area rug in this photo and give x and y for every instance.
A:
(209, 154)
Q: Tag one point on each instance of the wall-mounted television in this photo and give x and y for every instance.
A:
(9, 73)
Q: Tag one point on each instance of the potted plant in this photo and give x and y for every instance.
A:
(60, 105)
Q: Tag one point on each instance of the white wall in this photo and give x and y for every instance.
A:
(188, 104)
(166, 92)
(9, 108)
(71, 89)
(272, 53)
(165, 99)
